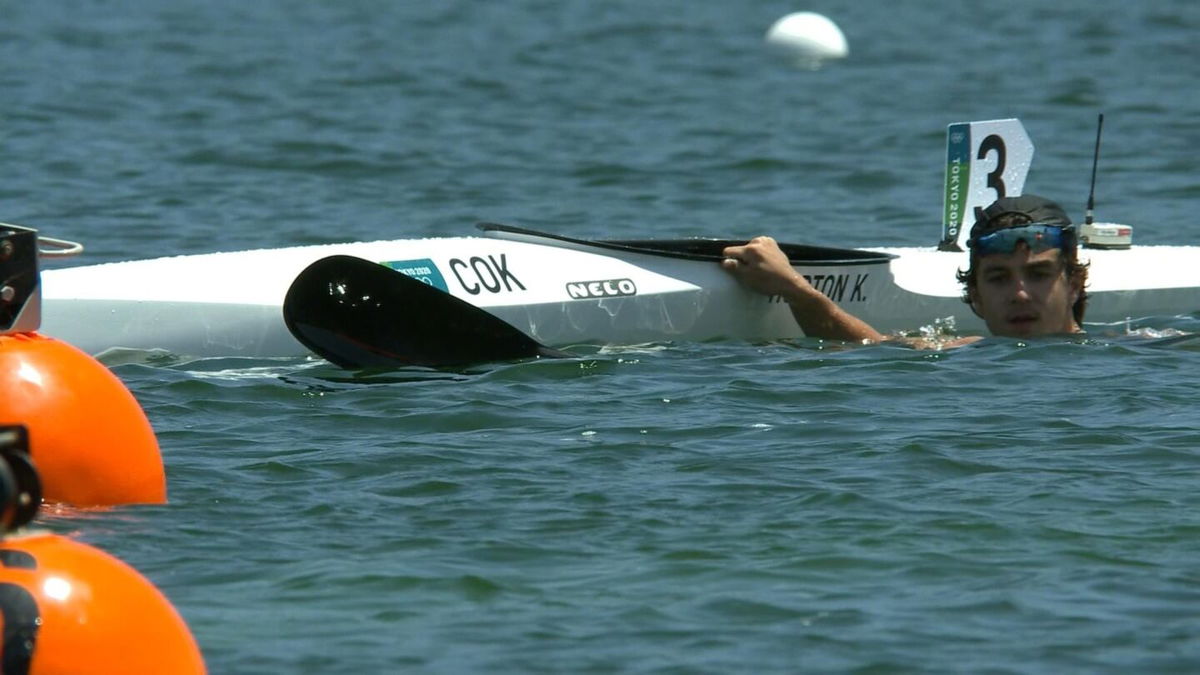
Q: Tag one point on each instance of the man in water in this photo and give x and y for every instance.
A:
(1024, 278)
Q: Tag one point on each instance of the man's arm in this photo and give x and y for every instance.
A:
(761, 266)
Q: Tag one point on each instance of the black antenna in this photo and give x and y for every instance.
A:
(1091, 203)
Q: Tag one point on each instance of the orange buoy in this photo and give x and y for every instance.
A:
(88, 436)
(70, 608)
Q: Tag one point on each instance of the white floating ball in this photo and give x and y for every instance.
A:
(807, 37)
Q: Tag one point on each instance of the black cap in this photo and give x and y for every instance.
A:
(1036, 209)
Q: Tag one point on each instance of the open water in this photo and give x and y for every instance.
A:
(667, 508)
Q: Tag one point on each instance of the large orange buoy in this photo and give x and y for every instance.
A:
(89, 437)
(70, 608)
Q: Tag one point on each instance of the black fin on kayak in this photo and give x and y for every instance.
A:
(359, 314)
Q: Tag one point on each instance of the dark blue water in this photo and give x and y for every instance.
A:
(724, 507)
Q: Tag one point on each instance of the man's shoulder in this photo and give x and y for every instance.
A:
(938, 343)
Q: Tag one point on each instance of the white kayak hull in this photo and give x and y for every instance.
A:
(560, 292)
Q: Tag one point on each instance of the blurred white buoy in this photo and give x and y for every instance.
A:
(807, 38)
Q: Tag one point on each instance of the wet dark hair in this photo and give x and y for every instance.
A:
(1015, 212)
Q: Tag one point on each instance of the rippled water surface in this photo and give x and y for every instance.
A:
(717, 507)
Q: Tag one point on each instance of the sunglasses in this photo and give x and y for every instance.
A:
(1037, 236)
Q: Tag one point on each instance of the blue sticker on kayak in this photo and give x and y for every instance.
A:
(422, 270)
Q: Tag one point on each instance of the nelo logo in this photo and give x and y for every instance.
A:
(606, 288)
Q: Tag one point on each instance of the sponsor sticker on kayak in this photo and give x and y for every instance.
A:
(603, 288)
(422, 270)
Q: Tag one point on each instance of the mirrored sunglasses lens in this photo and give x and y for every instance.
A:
(1037, 237)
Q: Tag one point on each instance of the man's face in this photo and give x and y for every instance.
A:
(1024, 294)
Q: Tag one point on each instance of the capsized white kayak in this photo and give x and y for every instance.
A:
(562, 291)
(225, 304)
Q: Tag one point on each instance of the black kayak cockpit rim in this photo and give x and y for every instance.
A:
(704, 248)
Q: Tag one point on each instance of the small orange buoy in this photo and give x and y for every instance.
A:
(70, 608)
(89, 437)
